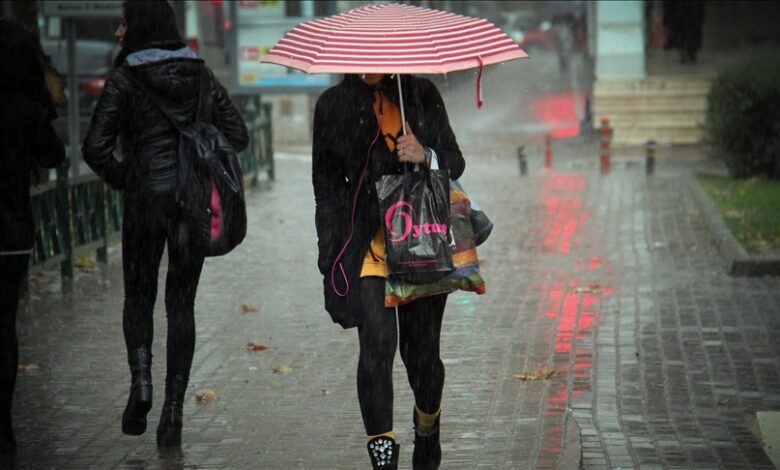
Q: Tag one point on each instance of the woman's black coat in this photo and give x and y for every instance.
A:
(148, 141)
(344, 127)
(26, 139)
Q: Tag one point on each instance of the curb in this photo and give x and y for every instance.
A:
(738, 262)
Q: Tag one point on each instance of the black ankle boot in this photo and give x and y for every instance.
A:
(427, 448)
(7, 441)
(169, 429)
(140, 400)
(383, 452)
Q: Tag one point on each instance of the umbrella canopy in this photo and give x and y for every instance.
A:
(393, 38)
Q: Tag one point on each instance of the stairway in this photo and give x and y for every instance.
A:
(669, 109)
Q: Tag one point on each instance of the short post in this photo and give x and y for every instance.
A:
(547, 152)
(522, 160)
(650, 160)
(605, 142)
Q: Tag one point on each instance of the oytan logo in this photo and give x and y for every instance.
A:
(404, 212)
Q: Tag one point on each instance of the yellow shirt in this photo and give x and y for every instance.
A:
(389, 117)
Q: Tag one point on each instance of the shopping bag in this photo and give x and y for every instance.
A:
(480, 223)
(466, 275)
(415, 212)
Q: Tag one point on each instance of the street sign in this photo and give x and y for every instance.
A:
(82, 9)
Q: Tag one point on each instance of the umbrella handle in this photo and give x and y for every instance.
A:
(401, 102)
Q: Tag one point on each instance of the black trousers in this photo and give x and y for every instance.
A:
(418, 333)
(149, 223)
(12, 270)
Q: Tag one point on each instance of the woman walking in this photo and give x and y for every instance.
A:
(153, 59)
(357, 139)
(27, 139)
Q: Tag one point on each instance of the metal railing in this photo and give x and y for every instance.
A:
(75, 215)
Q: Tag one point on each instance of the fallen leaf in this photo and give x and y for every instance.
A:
(34, 298)
(282, 370)
(253, 346)
(325, 392)
(29, 368)
(86, 265)
(724, 402)
(591, 289)
(734, 214)
(206, 396)
(249, 308)
(541, 374)
(35, 282)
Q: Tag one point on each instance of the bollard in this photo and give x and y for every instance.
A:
(547, 152)
(650, 160)
(605, 141)
(522, 160)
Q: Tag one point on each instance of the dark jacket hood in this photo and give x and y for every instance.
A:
(173, 73)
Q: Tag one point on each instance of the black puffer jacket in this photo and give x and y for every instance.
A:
(344, 127)
(26, 139)
(148, 141)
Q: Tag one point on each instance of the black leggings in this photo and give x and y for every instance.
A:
(150, 222)
(419, 323)
(12, 270)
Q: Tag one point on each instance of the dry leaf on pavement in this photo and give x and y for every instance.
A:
(541, 374)
(591, 289)
(325, 391)
(249, 308)
(282, 370)
(253, 346)
(29, 368)
(205, 397)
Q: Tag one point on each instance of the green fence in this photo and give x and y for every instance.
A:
(75, 215)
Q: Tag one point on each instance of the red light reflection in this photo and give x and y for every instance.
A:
(560, 111)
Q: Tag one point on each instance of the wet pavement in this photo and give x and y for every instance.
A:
(609, 285)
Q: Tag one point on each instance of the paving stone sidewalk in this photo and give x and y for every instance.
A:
(656, 358)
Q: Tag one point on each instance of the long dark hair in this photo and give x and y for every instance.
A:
(21, 56)
(149, 23)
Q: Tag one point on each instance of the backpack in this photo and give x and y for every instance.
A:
(211, 185)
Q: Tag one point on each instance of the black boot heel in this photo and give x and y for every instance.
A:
(140, 400)
(171, 419)
(169, 429)
(138, 405)
(427, 448)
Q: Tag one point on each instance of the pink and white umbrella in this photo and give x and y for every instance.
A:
(394, 39)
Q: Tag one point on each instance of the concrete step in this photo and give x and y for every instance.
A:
(649, 104)
(663, 135)
(628, 119)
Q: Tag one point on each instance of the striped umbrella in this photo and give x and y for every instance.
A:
(394, 39)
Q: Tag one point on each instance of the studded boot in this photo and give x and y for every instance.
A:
(383, 452)
(171, 419)
(140, 400)
(427, 448)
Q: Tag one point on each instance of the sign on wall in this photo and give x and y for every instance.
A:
(259, 25)
(81, 9)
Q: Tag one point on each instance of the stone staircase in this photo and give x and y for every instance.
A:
(669, 109)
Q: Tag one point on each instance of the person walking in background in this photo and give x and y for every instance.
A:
(154, 59)
(27, 139)
(349, 156)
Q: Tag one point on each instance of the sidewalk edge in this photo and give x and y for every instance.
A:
(738, 262)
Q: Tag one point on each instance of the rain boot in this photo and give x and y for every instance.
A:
(427, 449)
(169, 429)
(383, 452)
(140, 400)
